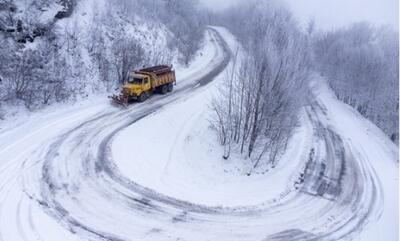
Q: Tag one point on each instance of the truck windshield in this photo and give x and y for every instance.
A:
(136, 81)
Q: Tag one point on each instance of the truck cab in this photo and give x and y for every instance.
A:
(137, 85)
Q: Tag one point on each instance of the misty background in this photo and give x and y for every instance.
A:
(333, 14)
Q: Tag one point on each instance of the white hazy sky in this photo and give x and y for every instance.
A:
(330, 14)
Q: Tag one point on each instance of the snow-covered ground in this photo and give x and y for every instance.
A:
(154, 171)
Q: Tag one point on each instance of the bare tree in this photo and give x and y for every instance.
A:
(127, 55)
(256, 109)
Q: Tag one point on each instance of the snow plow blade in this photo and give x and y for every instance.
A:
(120, 100)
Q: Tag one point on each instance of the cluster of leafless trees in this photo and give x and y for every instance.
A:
(361, 64)
(257, 107)
(35, 76)
(127, 53)
(184, 18)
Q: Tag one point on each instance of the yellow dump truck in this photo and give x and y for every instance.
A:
(142, 83)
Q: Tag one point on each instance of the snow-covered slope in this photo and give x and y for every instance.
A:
(78, 55)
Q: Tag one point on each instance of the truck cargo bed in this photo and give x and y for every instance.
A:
(158, 70)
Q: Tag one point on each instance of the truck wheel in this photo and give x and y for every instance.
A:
(164, 89)
(170, 87)
(142, 97)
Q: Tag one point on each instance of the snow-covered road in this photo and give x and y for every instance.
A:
(60, 178)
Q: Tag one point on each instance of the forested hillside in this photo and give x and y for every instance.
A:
(361, 64)
(56, 50)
